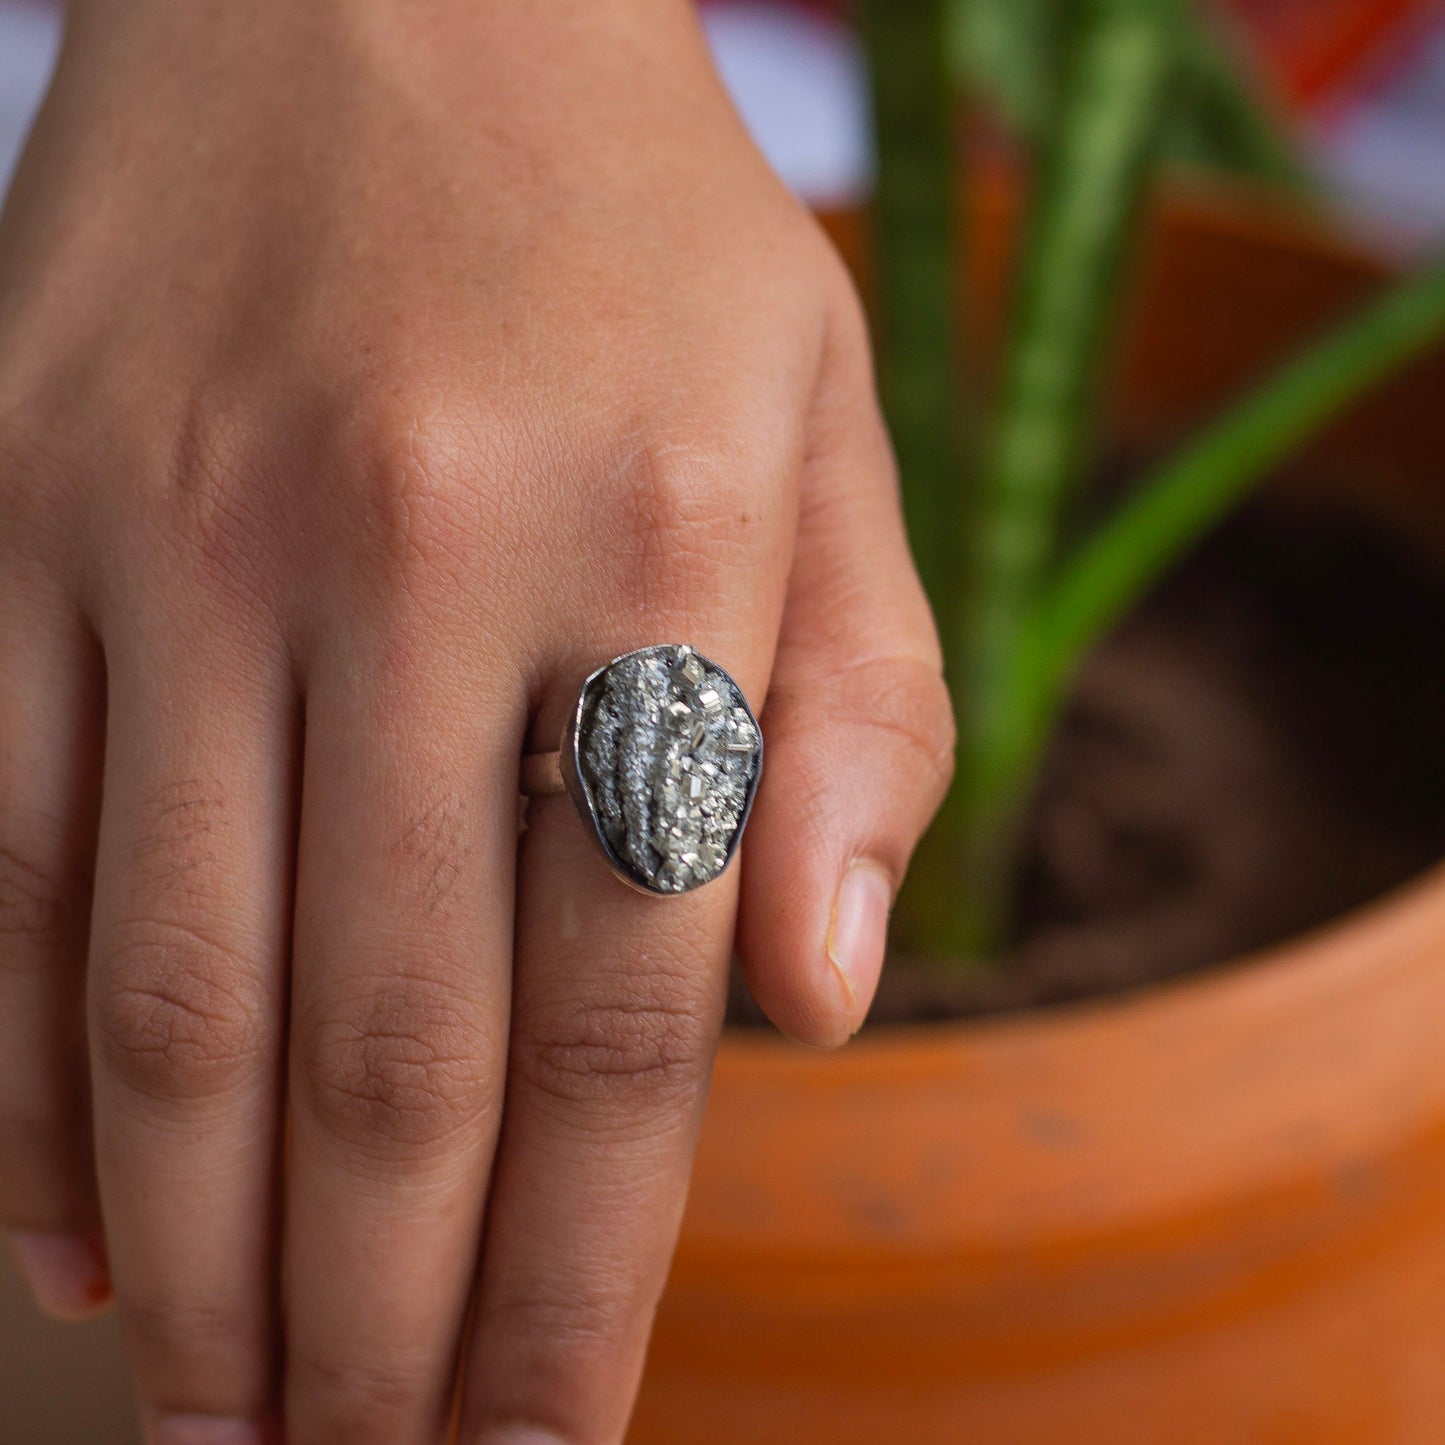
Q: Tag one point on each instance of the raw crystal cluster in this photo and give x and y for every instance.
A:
(669, 755)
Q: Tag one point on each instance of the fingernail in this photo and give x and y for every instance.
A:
(205, 1430)
(858, 932)
(66, 1273)
(512, 1435)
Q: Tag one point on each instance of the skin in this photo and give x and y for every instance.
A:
(368, 374)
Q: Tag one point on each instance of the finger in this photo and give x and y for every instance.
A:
(618, 1004)
(616, 1014)
(187, 984)
(51, 737)
(402, 981)
(858, 726)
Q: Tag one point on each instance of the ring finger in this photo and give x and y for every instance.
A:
(402, 980)
(617, 1009)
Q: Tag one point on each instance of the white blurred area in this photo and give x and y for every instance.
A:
(799, 81)
(29, 40)
(1386, 155)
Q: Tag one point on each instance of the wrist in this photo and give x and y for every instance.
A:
(456, 57)
(485, 29)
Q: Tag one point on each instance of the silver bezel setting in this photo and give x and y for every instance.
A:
(575, 782)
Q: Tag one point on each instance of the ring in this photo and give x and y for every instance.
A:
(661, 758)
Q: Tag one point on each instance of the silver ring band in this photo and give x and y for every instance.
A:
(542, 775)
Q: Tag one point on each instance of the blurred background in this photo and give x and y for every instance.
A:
(1356, 89)
(1361, 83)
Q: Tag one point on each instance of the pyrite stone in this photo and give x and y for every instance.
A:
(663, 756)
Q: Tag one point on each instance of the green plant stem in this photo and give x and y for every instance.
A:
(1004, 56)
(914, 255)
(1113, 93)
(917, 258)
(1225, 122)
(1174, 507)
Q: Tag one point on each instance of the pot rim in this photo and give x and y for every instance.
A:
(1351, 931)
(1310, 1072)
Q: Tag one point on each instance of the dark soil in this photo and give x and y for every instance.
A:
(1259, 749)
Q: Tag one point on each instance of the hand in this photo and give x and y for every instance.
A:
(368, 374)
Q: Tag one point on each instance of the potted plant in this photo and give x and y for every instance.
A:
(1203, 1210)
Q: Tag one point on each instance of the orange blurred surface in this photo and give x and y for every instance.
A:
(1212, 1216)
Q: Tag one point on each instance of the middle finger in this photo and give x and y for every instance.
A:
(400, 997)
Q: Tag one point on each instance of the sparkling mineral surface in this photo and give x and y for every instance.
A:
(669, 756)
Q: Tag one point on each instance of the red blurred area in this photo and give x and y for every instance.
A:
(1317, 49)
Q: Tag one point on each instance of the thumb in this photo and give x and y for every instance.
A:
(857, 721)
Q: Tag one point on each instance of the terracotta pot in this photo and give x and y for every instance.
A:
(1212, 1212)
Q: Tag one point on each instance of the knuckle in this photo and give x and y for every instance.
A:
(435, 848)
(679, 532)
(407, 1068)
(571, 1320)
(33, 908)
(645, 1038)
(213, 518)
(180, 830)
(32, 470)
(908, 700)
(171, 1013)
(357, 1399)
(173, 1332)
(416, 519)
